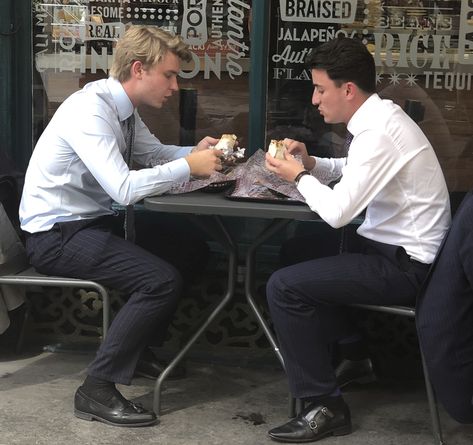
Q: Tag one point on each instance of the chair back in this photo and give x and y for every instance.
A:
(12, 252)
(10, 199)
(444, 317)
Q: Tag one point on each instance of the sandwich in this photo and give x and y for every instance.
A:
(226, 144)
(276, 149)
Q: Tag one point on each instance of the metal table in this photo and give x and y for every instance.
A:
(206, 210)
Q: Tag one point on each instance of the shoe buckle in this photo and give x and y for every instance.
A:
(313, 425)
(327, 413)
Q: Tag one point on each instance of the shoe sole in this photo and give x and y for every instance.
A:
(342, 431)
(91, 417)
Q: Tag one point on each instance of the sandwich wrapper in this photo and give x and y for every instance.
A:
(252, 180)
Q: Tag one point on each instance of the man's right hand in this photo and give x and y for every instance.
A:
(203, 163)
(296, 147)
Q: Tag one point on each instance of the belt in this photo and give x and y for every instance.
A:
(396, 254)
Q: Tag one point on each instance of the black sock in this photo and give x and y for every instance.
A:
(93, 385)
(331, 402)
(98, 389)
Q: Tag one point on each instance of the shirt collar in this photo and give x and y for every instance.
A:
(121, 99)
(364, 114)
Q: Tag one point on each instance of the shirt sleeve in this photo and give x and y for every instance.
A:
(372, 162)
(149, 151)
(95, 142)
(327, 170)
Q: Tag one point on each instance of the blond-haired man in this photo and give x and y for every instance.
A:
(75, 173)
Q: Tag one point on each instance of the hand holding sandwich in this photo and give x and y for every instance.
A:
(203, 160)
(285, 165)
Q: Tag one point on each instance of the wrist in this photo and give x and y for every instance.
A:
(310, 163)
(299, 176)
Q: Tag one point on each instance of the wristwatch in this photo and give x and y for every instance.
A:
(299, 176)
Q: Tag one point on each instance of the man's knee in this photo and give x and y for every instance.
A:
(164, 280)
(276, 287)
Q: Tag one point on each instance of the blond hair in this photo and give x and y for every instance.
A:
(147, 44)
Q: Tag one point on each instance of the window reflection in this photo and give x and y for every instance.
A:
(424, 62)
(423, 51)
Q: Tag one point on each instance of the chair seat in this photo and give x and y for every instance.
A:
(407, 311)
(32, 277)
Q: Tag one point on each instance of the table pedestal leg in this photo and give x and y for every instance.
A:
(270, 230)
(217, 230)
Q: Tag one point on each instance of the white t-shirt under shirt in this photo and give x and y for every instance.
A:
(77, 167)
(391, 171)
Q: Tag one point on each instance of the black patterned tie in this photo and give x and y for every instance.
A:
(129, 223)
(346, 145)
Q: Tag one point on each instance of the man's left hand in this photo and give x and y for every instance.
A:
(205, 143)
(287, 168)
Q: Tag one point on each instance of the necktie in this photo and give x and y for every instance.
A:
(129, 223)
(346, 145)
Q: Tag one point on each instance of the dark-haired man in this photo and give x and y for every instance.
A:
(391, 172)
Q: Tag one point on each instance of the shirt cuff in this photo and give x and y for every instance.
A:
(179, 170)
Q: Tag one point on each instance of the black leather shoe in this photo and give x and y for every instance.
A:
(151, 369)
(117, 411)
(313, 423)
(355, 371)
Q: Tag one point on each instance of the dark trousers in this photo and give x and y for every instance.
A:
(89, 250)
(306, 305)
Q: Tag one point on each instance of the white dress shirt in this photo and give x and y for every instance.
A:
(391, 171)
(77, 167)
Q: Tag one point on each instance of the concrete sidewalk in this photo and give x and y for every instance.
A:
(217, 404)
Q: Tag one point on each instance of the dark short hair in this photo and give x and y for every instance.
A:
(345, 60)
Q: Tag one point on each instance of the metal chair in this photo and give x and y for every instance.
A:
(296, 406)
(27, 275)
(30, 277)
(406, 311)
(410, 312)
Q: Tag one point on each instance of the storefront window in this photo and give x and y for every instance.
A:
(423, 51)
(74, 41)
(424, 56)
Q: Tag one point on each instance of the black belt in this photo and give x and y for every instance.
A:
(70, 228)
(396, 254)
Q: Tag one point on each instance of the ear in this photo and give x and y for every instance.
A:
(350, 89)
(136, 69)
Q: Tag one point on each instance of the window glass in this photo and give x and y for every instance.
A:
(424, 55)
(74, 42)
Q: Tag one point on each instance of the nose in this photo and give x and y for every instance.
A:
(174, 85)
(315, 98)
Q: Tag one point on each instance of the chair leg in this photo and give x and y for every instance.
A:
(21, 335)
(300, 405)
(292, 406)
(434, 413)
(295, 406)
